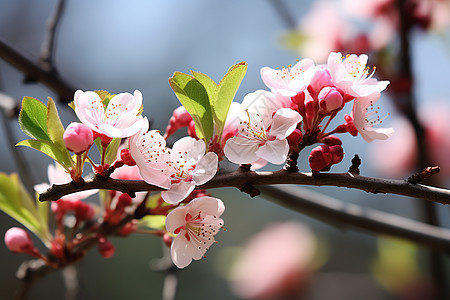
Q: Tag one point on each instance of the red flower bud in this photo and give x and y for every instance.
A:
(126, 157)
(105, 247)
(320, 158)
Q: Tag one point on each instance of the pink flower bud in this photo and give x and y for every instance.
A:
(320, 158)
(320, 79)
(123, 201)
(78, 138)
(180, 118)
(330, 100)
(299, 99)
(191, 130)
(18, 241)
(105, 247)
(128, 229)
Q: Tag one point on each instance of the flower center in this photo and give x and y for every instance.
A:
(372, 118)
(255, 129)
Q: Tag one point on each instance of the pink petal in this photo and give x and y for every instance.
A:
(284, 123)
(178, 192)
(241, 150)
(205, 168)
(274, 151)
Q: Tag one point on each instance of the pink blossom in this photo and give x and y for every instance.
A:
(180, 118)
(120, 119)
(275, 263)
(365, 117)
(78, 137)
(262, 132)
(187, 167)
(196, 225)
(351, 75)
(18, 241)
(148, 149)
(289, 81)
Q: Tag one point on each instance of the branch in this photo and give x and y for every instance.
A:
(32, 70)
(335, 211)
(240, 179)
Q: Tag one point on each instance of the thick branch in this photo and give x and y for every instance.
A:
(238, 179)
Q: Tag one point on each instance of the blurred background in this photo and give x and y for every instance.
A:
(121, 46)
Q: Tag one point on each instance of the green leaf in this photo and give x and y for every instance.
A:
(111, 151)
(105, 96)
(72, 105)
(227, 89)
(194, 97)
(17, 203)
(62, 156)
(33, 119)
(54, 126)
(153, 221)
(209, 84)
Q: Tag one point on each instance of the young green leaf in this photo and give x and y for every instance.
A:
(61, 155)
(209, 84)
(18, 204)
(111, 151)
(33, 119)
(54, 126)
(194, 97)
(227, 89)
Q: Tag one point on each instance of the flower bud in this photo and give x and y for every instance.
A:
(331, 140)
(191, 130)
(295, 138)
(320, 158)
(126, 157)
(180, 118)
(105, 247)
(83, 211)
(320, 79)
(78, 137)
(330, 100)
(18, 241)
(337, 152)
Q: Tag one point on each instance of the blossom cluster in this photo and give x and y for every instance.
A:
(269, 126)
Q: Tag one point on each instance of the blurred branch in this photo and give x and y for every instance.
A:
(345, 214)
(32, 70)
(239, 179)
(47, 50)
(284, 13)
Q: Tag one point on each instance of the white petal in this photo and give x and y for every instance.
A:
(241, 150)
(274, 151)
(89, 109)
(370, 133)
(208, 205)
(205, 168)
(181, 252)
(191, 149)
(284, 123)
(177, 218)
(178, 192)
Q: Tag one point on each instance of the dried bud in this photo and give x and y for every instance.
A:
(78, 137)
(105, 247)
(18, 241)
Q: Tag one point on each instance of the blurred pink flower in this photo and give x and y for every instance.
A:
(275, 263)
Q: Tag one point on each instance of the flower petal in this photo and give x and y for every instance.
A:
(178, 192)
(191, 149)
(241, 150)
(275, 151)
(284, 123)
(205, 168)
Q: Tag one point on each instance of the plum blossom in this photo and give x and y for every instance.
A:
(365, 117)
(290, 80)
(148, 149)
(187, 167)
(262, 131)
(120, 119)
(196, 225)
(57, 175)
(352, 76)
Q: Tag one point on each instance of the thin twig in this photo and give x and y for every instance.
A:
(238, 179)
(47, 49)
(334, 211)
